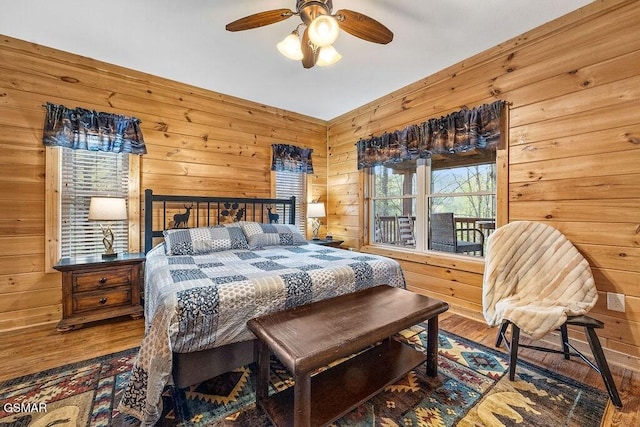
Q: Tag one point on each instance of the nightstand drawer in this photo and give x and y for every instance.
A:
(88, 301)
(95, 280)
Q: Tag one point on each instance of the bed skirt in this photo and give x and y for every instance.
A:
(199, 366)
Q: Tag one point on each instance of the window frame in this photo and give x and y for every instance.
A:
(53, 191)
(422, 197)
(501, 202)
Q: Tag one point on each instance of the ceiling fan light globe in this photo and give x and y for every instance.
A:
(324, 30)
(328, 56)
(290, 47)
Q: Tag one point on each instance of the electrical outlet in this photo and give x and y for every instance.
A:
(615, 302)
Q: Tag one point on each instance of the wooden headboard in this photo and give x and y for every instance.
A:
(162, 212)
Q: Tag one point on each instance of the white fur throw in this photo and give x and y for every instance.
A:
(535, 278)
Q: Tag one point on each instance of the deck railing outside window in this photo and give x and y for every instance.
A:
(388, 229)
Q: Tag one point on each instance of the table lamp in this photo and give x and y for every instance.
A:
(107, 210)
(315, 211)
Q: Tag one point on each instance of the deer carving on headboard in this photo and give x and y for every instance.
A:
(273, 217)
(182, 219)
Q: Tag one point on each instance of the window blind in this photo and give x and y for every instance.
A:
(85, 174)
(293, 184)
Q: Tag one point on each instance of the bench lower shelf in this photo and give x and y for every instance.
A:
(341, 388)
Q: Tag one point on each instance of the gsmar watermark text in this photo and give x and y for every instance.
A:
(24, 407)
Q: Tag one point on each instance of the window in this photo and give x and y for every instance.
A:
(406, 195)
(85, 174)
(73, 176)
(289, 184)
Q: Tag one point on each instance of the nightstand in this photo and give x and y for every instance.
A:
(324, 242)
(94, 288)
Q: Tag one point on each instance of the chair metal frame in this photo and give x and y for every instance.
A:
(590, 324)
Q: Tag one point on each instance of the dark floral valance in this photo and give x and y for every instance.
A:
(291, 159)
(82, 129)
(458, 132)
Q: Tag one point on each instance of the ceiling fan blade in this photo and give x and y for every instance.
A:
(363, 27)
(310, 56)
(259, 19)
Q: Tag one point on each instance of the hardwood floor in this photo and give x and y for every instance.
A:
(39, 348)
(36, 349)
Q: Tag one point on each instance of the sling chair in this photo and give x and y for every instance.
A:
(536, 281)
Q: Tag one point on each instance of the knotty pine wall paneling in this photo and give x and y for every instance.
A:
(574, 154)
(199, 142)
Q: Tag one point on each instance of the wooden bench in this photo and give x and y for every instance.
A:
(312, 336)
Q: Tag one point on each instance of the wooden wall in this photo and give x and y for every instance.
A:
(574, 153)
(199, 142)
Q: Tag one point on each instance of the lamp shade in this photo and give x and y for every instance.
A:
(328, 56)
(323, 30)
(315, 210)
(290, 46)
(107, 209)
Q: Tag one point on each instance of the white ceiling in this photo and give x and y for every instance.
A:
(186, 41)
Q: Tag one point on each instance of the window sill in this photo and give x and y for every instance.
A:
(441, 259)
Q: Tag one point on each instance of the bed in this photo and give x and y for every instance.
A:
(214, 263)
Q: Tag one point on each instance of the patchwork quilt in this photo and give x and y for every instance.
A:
(197, 302)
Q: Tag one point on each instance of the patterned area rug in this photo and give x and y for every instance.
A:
(472, 389)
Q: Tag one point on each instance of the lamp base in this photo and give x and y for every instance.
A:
(107, 241)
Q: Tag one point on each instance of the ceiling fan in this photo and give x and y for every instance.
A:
(322, 27)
